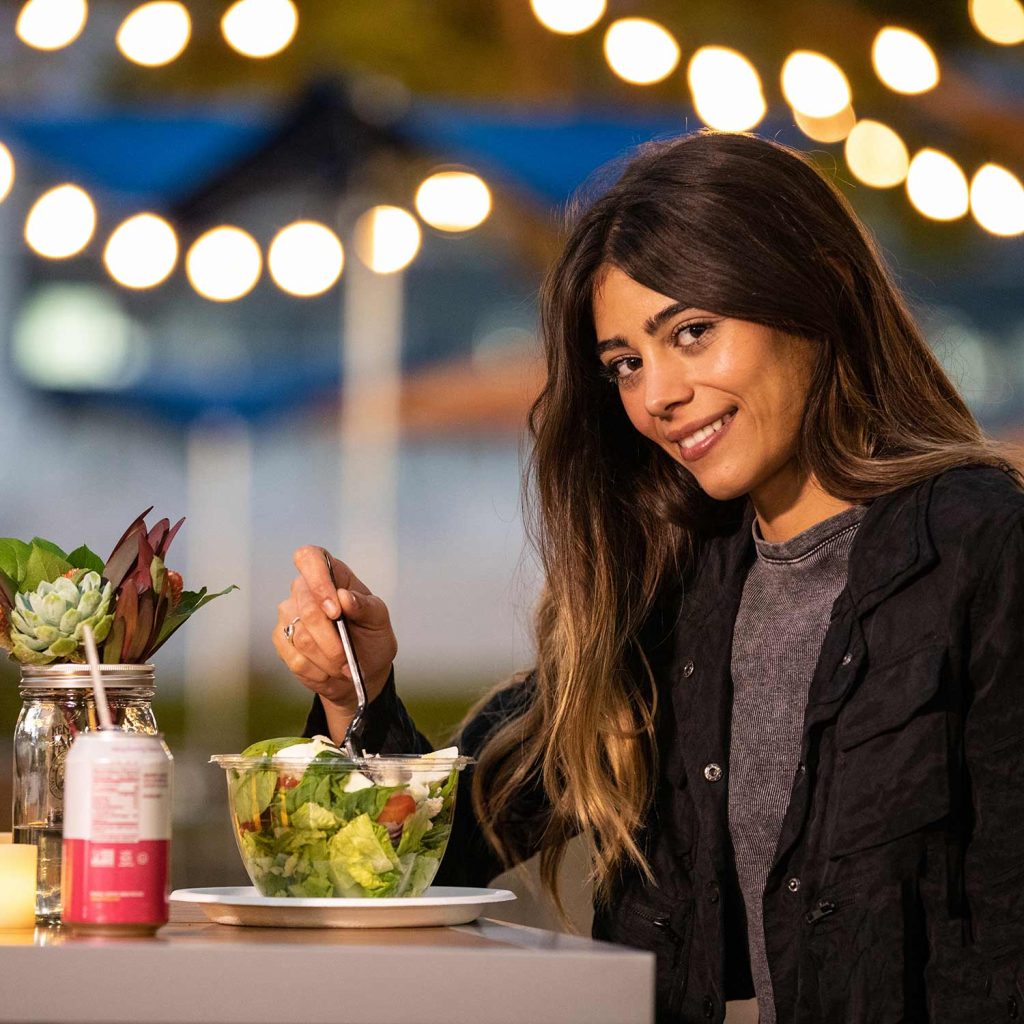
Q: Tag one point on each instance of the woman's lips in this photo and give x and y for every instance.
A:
(701, 448)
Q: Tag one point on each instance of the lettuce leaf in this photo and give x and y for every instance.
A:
(268, 748)
(364, 850)
(312, 816)
(251, 792)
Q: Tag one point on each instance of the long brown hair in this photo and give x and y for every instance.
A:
(745, 228)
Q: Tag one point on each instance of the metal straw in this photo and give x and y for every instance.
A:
(353, 664)
(98, 692)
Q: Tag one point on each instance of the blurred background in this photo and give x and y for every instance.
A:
(273, 265)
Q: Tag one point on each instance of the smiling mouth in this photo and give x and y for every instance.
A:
(699, 436)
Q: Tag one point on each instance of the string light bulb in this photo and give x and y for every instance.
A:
(568, 17)
(814, 85)
(387, 239)
(726, 89)
(6, 172)
(155, 33)
(453, 201)
(876, 155)
(141, 252)
(999, 21)
(305, 258)
(937, 186)
(640, 51)
(260, 28)
(51, 24)
(997, 200)
(904, 61)
(224, 264)
(61, 222)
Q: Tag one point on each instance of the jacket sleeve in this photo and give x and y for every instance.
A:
(469, 859)
(994, 760)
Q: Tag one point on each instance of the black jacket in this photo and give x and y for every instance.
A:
(897, 889)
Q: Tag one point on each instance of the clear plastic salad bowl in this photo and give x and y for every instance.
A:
(310, 822)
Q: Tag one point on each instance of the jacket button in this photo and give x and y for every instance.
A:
(709, 1007)
(712, 772)
(793, 885)
(1011, 1008)
(847, 658)
(688, 670)
(713, 896)
(801, 769)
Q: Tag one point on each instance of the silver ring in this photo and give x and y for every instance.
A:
(289, 630)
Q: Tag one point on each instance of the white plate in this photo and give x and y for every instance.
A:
(439, 906)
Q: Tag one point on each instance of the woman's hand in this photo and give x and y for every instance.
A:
(314, 654)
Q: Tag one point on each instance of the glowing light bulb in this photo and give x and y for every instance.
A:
(51, 24)
(726, 89)
(141, 252)
(904, 61)
(305, 258)
(6, 172)
(999, 21)
(827, 129)
(640, 51)
(997, 200)
(61, 222)
(814, 85)
(936, 185)
(453, 201)
(224, 264)
(155, 33)
(260, 28)
(876, 155)
(387, 239)
(568, 17)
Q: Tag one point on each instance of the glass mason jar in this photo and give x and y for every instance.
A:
(57, 704)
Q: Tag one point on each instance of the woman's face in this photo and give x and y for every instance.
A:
(724, 397)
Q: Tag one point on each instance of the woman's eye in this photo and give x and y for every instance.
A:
(688, 334)
(619, 370)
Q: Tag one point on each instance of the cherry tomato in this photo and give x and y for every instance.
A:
(397, 809)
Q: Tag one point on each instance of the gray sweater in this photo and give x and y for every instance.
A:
(784, 613)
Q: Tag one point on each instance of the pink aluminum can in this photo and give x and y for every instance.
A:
(117, 833)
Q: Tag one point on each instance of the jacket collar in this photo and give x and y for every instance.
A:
(892, 545)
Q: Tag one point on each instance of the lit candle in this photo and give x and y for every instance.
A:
(17, 884)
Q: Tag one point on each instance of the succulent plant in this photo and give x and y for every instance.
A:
(141, 602)
(49, 622)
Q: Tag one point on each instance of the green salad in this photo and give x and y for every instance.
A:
(311, 823)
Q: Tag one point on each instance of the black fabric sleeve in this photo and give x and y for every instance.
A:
(469, 859)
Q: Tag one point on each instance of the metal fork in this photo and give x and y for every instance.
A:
(353, 664)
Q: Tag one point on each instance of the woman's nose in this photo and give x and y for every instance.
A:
(665, 386)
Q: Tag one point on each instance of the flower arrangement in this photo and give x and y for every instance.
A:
(133, 603)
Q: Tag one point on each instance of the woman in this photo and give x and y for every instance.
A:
(780, 644)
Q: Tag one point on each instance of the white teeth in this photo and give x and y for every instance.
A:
(705, 432)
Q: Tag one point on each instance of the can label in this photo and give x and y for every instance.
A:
(117, 831)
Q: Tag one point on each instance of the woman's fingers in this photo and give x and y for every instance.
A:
(316, 635)
(308, 670)
(312, 565)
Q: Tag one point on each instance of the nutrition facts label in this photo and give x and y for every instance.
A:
(116, 803)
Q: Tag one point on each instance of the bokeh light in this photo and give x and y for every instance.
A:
(305, 258)
(999, 21)
(568, 17)
(997, 200)
(904, 61)
(937, 186)
(453, 201)
(640, 51)
(6, 172)
(51, 24)
(726, 89)
(387, 239)
(141, 252)
(224, 264)
(876, 155)
(155, 33)
(260, 28)
(61, 222)
(827, 129)
(814, 85)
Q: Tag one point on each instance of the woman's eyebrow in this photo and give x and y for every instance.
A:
(651, 325)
